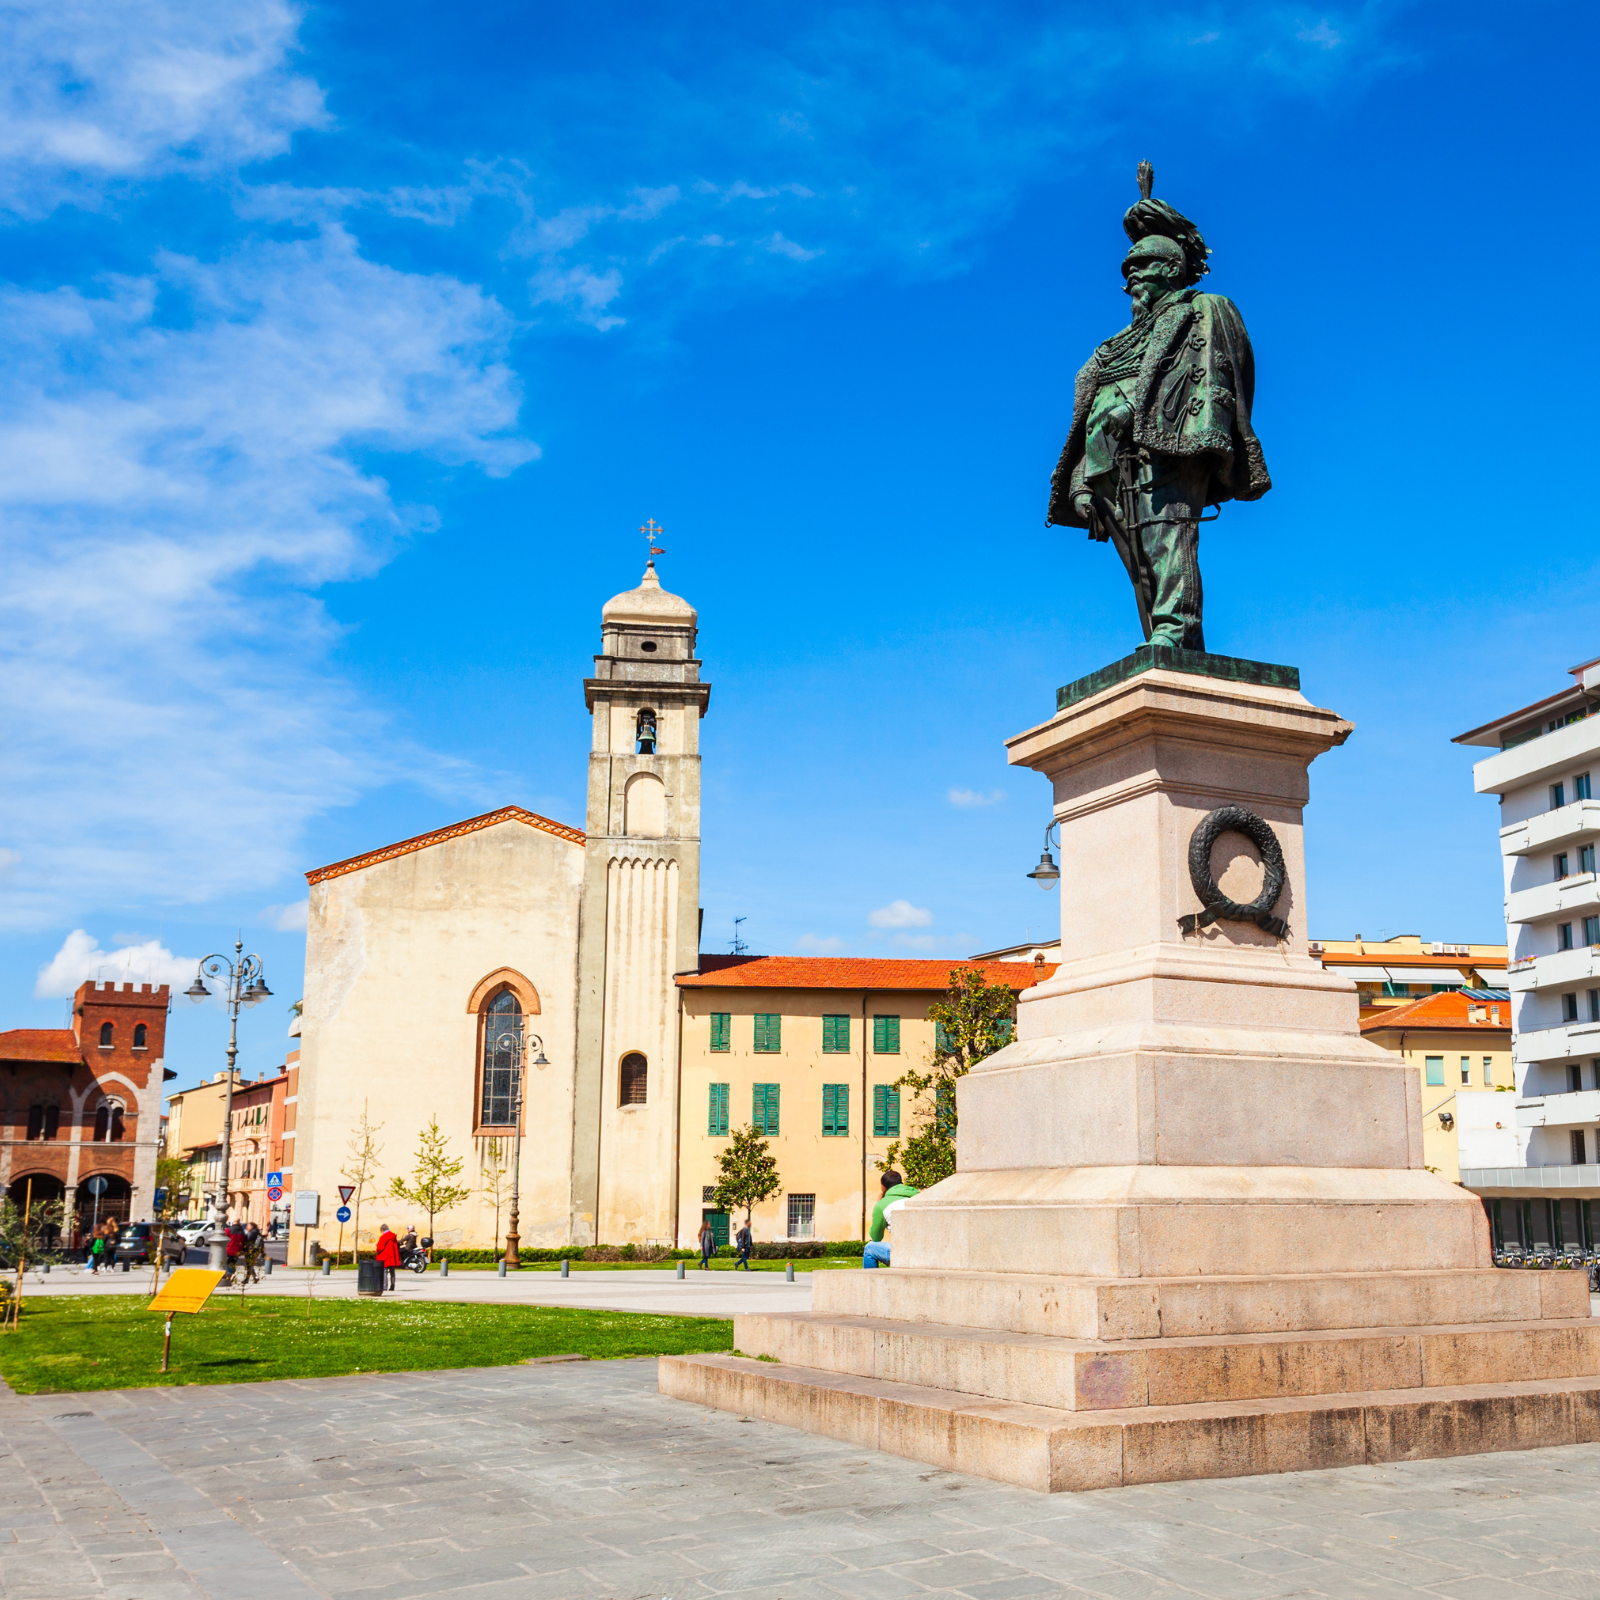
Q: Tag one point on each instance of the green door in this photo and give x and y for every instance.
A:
(719, 1226)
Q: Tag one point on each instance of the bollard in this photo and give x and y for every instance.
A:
(444, 1267)
(124, 1266)
(565, 1267)
(789, 1272)
(502, 1267)
(46, 1267)
(269, 1266)
(327, 1264)
(680, 1272)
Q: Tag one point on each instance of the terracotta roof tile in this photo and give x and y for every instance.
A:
(1450, 1011)
(41, 1044)
(850, 972)
(439, 835)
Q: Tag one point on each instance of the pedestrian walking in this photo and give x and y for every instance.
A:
(388, 1255)
(97, 1250)
(235, 1252)
(708, 1243)
(742, 1239)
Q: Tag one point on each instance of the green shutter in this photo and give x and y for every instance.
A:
(886, 1036)
(835, 1036)
(721, 1030)
(1435, 1072)
(941, 1039)
(768, 1033)
(885, 1111)
(717, 1120)
(1006, 1027)
(764, 1108)
(835, 1110)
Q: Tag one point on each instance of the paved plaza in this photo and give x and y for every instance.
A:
(554, 1481)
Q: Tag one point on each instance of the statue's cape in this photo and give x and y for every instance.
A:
(1192, 397)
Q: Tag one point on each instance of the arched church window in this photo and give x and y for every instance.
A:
(105, 1035)
(502, 1060)
(647, 732)
(140, 1034)
(635, 1079)
(108, 1123)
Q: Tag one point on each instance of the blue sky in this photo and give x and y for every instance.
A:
(349, 345)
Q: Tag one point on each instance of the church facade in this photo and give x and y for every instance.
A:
(438, 966)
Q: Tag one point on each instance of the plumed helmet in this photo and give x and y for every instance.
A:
(1161, 230)
(1154, 246)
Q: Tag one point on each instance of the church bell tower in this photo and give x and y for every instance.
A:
(639, 924)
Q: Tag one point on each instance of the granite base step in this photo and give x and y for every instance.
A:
(1051, 1449)
(1189, 1307)
(1096, 1375)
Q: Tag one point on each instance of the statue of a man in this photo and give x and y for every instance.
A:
(1161, 423)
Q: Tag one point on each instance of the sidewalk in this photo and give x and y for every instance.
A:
(701, 1294)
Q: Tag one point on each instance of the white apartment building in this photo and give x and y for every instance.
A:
(1540, 1180)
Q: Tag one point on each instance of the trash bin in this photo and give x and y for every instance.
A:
(369, 1277)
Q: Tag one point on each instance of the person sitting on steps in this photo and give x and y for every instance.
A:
(895, 1189)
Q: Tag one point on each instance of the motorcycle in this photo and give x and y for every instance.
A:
(416, 1256)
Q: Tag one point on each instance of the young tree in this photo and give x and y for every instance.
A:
(433, 1185)
(973, 1020)
(29, 1236)
(172, 1190)
(749, 1173)
(361, 1168)
(496, 1173)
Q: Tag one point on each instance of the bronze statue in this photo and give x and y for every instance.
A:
(1161, 423)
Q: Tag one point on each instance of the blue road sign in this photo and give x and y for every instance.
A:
(160, 1201)
(343, 1213)
(274, 1180)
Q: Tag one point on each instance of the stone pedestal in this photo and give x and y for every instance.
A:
(1190, 1233)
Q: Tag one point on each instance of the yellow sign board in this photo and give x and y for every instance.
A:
(187, 1289)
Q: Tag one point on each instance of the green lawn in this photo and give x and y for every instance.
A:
(73, 1342)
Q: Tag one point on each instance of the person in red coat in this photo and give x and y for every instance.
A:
(388, 1255)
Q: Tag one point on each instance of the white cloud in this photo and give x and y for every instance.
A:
(80, 957)
(588, 293)
(91, 93)
(168, 491)
(779, 246)
(1321, 34)
(900, 914)
(970, 799)
(287, 919)
(810, 944)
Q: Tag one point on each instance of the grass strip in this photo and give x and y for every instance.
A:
(71, 1343)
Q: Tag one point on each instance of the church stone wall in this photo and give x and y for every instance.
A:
(395, 951)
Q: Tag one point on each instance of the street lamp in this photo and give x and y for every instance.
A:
(1047, 874)
(242, 985)
(514, 1044)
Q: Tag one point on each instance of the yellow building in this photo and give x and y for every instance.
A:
(1459, 1043)
(1394, 972)
(807, 1050)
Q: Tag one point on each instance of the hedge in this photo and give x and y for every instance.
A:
(775, 1250)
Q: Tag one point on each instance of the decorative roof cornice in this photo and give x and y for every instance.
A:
(424, 841)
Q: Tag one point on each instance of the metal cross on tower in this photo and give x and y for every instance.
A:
(653, 531)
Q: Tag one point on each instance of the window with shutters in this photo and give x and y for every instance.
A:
(835, 1110)
(635, 1079)
(717, 1118)
(886, 1036)
(1466, 1069)
(941, 1039)
(1580, 787)
(1435, 1071)
(835, 1036)
(769, 1034)
(885, 1111)
(721, 1031)
(764, 1108)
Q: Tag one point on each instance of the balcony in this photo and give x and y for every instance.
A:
(1489, 1179)
(1563, 753)
(1571, 896)
(1562, 969)
(1577, 1109)
(1564, 825)
(1568, 1042)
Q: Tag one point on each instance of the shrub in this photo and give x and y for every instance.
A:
(789, 1250)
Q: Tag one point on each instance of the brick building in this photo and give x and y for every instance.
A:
(84, 1102)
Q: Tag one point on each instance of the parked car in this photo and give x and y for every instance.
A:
(193, 1231)
(134, 1243)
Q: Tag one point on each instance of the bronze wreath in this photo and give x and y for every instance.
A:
(1235, 819)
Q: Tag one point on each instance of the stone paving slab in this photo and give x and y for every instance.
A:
(582, 1483)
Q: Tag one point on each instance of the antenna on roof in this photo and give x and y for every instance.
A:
(738, 947)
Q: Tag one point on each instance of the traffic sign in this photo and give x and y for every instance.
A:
(274, 1180)
(159, 1203)
(96, 1185)
(345, 1191)
(343, 1213)
(274, 1192)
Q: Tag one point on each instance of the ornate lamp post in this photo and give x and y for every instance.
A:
(514, 1043)
(242, 985)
